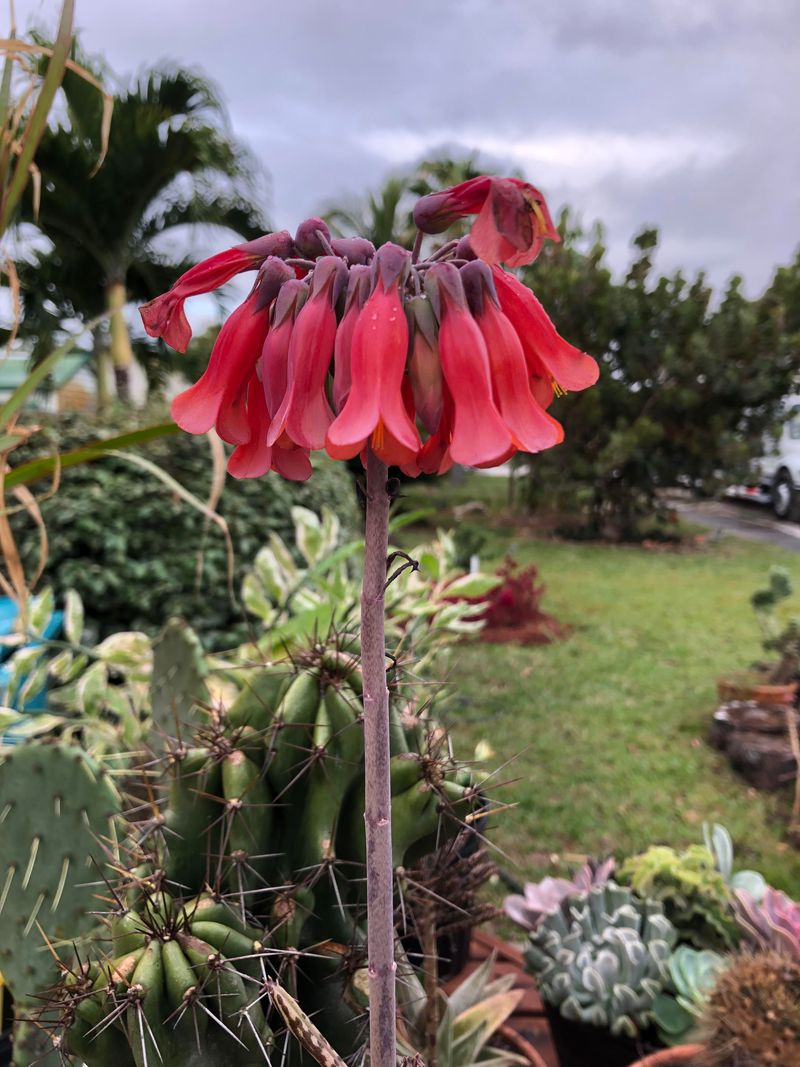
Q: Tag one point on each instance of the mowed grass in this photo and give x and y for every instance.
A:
(605, 731)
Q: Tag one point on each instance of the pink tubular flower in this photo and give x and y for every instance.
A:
(533, 429)
(275, 354)
(217, 397)
(425, 368)
(305, 414)
(479, 434)
(547, 354)
(164, 317)
(355, 350)
(512, 222)
(253, 457)
(357, 293)
(375, 408)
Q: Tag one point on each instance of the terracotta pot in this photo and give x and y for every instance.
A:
(746, 686)
(671, 1057)
(518, 1044)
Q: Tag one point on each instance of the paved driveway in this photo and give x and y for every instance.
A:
(754, 522)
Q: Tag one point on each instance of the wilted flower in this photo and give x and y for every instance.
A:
(448, 360)
(512, 224)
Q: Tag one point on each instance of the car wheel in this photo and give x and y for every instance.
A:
(784, 497)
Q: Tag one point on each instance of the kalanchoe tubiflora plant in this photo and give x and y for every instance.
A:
(604, 962)
(342, 319)
(452, 340)
(539, 899)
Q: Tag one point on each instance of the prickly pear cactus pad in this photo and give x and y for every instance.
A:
(177, 684)
(57, 811)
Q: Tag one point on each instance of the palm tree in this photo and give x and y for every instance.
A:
(385, 216)
(171, 163)
(442, 172)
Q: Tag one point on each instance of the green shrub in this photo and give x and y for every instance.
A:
(131, 549)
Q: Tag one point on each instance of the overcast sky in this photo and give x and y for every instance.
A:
(678, 113)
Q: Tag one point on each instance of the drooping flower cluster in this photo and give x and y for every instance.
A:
(340, 346)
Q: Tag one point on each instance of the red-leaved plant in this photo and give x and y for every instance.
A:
(511, 612)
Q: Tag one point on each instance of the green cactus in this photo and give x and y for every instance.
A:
(602, 960)
(56, 811)
(694, 893)
(262, 823)
(177, 684)
(176, 984)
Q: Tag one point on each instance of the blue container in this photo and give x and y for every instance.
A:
(8, 615)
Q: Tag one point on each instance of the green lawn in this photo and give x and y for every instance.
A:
(605, 731)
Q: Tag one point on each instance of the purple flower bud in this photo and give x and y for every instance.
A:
(356, 250)
(476, 277)
(444, 278)
(307, 240)
(464, 249)
(272, 275)
(391, 264)
(329, 271)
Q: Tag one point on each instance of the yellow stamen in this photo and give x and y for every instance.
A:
(539, 214)
(557, 390)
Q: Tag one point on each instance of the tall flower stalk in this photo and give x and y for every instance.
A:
(378, 799)
(416, 363)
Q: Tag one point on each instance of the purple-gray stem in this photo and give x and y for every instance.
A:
(378, 801)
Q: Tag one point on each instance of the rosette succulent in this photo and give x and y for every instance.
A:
(692, 976)
(605, 961)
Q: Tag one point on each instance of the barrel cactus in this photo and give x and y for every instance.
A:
(752, 1018)
(248, 869)
(176, 984)
(603, 960)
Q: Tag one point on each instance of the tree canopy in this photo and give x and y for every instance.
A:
(171, 163)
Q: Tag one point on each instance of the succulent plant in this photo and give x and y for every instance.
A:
(425, 609)
(752, 1018)
(604, 962)
(466, 1020)
(166, 988)
(56, 810)
(694, 894)
(261, 821)
(771, 923)
(692, 976)
(177, 682)
(718, 842)
(543, 898)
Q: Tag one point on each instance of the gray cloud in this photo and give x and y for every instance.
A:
(677, 113)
